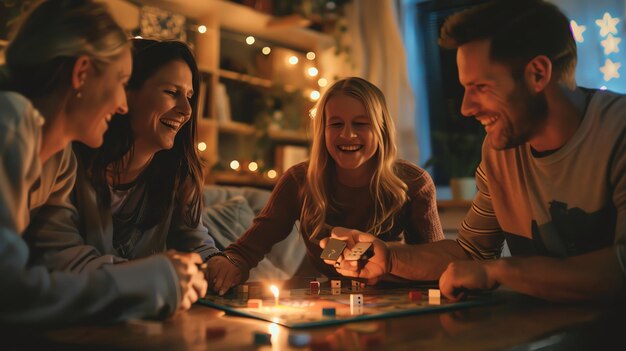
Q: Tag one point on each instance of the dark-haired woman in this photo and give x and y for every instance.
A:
(140, 193)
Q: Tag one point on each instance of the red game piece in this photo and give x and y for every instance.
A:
(215, 332)
(315, 287)
(255, 303)
(415, 295)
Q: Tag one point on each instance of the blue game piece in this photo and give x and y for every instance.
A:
(261, 338)
(299, 339)
(329, 312)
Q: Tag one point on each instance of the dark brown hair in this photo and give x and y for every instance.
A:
(519, 31)
(174, 174)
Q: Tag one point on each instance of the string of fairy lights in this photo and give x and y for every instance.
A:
(310, 70)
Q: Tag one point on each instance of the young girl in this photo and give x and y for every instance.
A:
(353, 179)
(66, 68)
(140, 192)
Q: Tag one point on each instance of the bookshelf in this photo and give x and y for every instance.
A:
(253, 101)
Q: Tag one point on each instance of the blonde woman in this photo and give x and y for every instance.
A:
(66, 69)
(353, 180)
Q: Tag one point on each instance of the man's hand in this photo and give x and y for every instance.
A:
(190, 280)
(374, 268)
(465, 275)
(222, 274)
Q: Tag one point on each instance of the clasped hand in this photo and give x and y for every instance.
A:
(191, 280)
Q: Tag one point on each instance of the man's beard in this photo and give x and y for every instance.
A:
(533, 114)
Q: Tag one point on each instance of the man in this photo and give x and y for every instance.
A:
(552, 181)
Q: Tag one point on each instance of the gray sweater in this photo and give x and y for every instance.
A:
(32, 193)
(87, 241)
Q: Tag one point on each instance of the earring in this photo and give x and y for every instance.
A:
(79, 94)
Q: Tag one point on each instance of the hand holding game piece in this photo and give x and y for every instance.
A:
(222, 274)
(340, 233)
(190, 280)
(333, 249)
(372, 269)
(358, 251)
(461, 276)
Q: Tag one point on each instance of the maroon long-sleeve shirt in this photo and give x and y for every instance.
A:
(418, 222)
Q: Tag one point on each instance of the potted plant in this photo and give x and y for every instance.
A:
(458, 157)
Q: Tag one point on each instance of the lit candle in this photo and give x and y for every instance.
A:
(275, 292)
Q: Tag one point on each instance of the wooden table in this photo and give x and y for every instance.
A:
(513, 323)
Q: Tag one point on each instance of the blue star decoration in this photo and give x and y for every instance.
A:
(607, 24)
(610, 69)
(578, 30)
(610, 44)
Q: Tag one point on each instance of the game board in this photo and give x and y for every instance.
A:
(302, 309)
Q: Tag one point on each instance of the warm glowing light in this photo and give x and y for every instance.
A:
(310, 55)
(293, 60)
(312, 71)
(314, 95)
(322, 82)
(577, 31)
(607, 24)
(234, 164)
(271, 174)
(312, 112)
(610, 70)
(273, 330)
(202, 146)
(275, 291)
(266, 50)
(202, 29)
(138, 37)
(250, 40)
(253, 166)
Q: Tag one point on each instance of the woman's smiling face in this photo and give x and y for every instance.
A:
(160, 108)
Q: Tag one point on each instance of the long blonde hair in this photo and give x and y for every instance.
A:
(388, 189)
(48, 40)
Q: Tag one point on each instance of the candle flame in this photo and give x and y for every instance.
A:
(274, 290)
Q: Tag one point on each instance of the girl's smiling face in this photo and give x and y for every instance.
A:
(349, 133)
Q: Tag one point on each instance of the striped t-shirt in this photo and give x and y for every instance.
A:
(564, 204)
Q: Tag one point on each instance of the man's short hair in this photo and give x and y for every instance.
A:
(519, 31)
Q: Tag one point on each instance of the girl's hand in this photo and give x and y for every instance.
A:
(222, 274)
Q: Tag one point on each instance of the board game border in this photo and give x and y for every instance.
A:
(357, 318)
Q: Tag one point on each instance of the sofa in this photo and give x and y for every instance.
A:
(228, 213)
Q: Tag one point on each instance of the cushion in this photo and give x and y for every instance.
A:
(228, 220)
